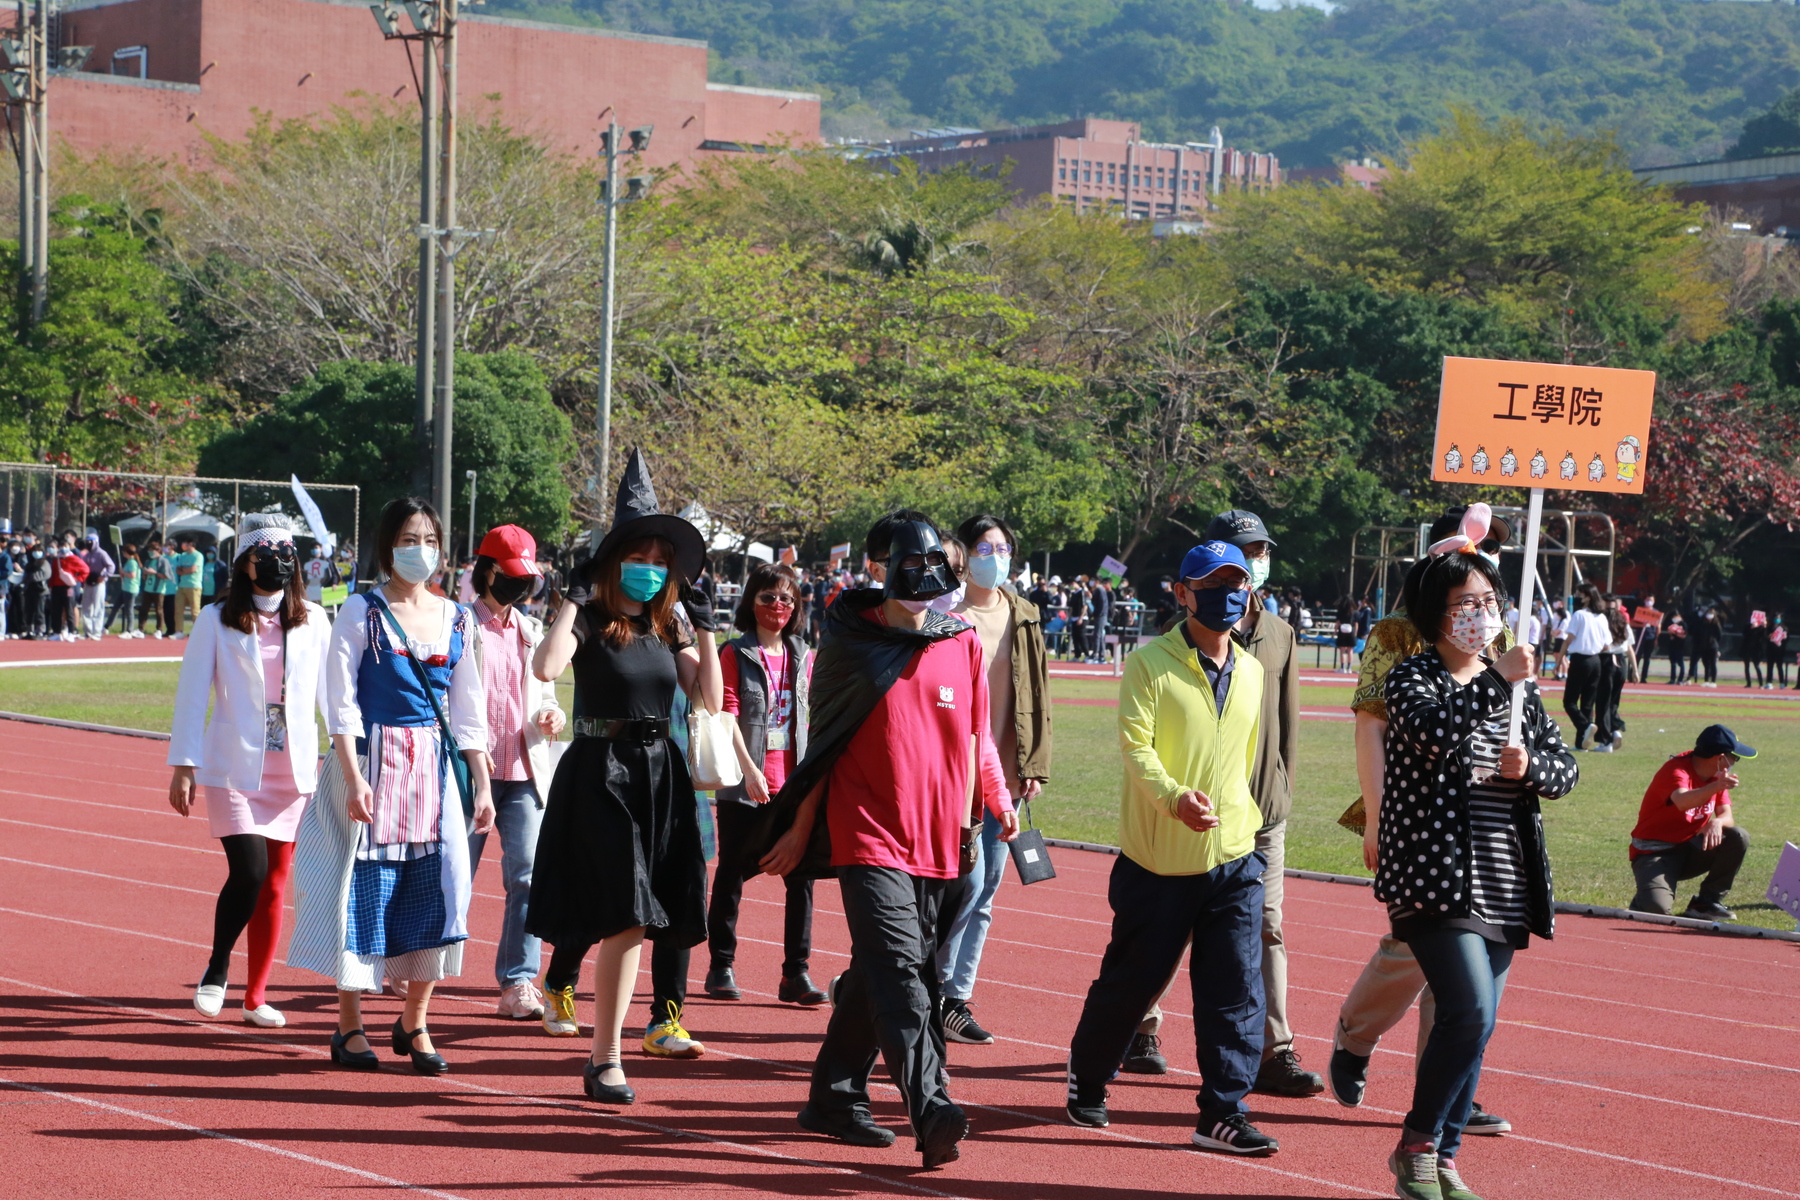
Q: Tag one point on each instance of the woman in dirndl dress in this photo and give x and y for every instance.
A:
(619, 853)
(382, 863)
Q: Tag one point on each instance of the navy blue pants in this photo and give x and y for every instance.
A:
(1467, 974)
(1153, 918)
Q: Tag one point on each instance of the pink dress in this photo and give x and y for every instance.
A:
(274, 809)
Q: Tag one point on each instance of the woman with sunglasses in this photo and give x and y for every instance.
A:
(256, 656)
(1463, 866)
(766, 674)
(1018, 676)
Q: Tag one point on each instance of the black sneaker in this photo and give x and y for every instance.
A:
(960, 1026)
(1087, 1106)
(1704, 908)
(1234, 1134)
(858, 1130)
(721, 984)
(1486, 1123)
(1145, 1056)
(944, 1127)
(1282, 1075)
(1349, 1075)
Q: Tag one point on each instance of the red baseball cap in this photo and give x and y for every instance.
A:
(513, 549)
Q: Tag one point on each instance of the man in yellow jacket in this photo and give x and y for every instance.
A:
(1188, 866)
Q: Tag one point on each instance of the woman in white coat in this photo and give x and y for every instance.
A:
(257, 656)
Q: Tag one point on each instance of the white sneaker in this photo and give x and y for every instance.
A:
(209, 998)
(178, 637)
(264, 1016)
(520, 1002)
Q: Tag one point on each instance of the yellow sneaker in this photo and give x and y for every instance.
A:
(667, 1039)
(559, 1012)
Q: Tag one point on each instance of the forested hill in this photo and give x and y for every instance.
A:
(1675, 78)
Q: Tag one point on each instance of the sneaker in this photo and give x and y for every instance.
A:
(1486, 1123)
(1704, 908)
(1349, 1076)
(520, 1001)
(559, 1012)
(1450, 1184)
(1282, 1075)
(1416, 1173)
(960, 1026)
(1145, 1056)
(1085, 1106)
(941, 1130)
(721, 984)
(1602, 748)
(859, 1129)
(667, 1039)
(1234, 1134)
(264, 1016)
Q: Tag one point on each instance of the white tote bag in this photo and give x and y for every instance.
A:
(712, 756)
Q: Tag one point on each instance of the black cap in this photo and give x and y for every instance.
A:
(1238, 527)
(1498, 528)
(1715, 740)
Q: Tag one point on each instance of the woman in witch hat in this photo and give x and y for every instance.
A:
(619, 854)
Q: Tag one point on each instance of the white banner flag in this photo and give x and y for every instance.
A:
(314, 519)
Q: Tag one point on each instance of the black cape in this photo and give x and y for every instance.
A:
(858, 662)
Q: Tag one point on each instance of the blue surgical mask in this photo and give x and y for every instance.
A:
(989, 570)
(641, 581)
(1259, 571)
(1220, 608)
(415, 564)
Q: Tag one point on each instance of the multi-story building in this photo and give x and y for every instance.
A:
(165, 73)
(1092, 163)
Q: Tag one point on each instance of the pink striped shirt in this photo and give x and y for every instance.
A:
(503, 675)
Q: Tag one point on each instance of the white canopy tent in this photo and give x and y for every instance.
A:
(177, 519)
(722, 538)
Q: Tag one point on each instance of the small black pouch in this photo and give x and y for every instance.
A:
(1031, 858)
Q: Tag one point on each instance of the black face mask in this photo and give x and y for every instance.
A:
(927, 581)
(272, 570)
(509, 589)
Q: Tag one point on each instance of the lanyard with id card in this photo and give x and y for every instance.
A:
(776, 731)
(275, 712)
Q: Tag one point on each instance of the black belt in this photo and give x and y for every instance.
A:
(643, 729)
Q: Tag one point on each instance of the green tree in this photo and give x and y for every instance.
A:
(352, 423)
(1776, 131)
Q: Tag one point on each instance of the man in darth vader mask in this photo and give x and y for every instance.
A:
(899, 725)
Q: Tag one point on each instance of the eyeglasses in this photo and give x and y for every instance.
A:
(989, 549)
(1469, 605)
(774, 599)
(276, 549)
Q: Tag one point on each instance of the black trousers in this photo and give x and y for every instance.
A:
(1582, 692)
(886, 998)
(1657, 874)
(1154, 918)
(1607, 694)
(737, 863)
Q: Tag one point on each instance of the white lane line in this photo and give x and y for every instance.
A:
(521, 1099)
(116, 837)
(26, 862)
(232, 1139)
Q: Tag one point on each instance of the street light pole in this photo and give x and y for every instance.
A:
(470, 476)
(638, 186)
(443, 427)
(424, 360)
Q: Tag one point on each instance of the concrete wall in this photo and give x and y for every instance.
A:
(299, 58)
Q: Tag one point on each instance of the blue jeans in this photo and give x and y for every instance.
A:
(1467, 974)
(517, 813)
(960, 956)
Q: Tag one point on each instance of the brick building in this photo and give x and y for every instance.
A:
(164, 72)
(1092, 163)
(1764, 192)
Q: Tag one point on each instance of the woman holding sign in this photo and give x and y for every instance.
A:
(1463, 866)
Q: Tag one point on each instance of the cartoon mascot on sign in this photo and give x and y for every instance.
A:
(1629, 454)
(1452, 459)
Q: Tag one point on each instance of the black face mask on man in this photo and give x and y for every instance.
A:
(510, 589)
(1218, 608)
(930, 578)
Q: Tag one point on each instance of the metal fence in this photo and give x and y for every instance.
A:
(123, 506)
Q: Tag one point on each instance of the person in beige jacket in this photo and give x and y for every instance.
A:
(523, 718)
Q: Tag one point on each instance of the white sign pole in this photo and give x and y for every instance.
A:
(1532, 521)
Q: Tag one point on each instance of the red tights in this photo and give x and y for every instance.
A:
(254, 895)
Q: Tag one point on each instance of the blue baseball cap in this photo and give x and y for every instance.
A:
(1208, 557)
(1716, 739)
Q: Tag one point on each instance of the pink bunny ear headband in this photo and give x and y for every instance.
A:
(1467, 539)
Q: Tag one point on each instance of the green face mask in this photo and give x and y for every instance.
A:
(1259, 571)
(641, 581)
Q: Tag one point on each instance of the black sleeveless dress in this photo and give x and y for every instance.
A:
(619, 845)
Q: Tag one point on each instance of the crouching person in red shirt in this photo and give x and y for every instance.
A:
(1685, 828)
(897, 743)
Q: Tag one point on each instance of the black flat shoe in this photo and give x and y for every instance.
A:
(359, 1060)
(605, 1093)
(423, 1063)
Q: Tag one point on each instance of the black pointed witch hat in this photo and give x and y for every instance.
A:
(636, 515)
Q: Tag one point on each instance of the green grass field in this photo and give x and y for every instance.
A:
(1588, 829)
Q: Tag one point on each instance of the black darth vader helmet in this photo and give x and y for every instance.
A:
(917, 567)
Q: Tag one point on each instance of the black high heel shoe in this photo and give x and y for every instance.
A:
(605, 1093)
(360, 1060)
(423, 1063)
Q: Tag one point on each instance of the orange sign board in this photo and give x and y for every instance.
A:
(1542, 425)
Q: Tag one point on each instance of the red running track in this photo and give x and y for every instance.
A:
(1633, 1060)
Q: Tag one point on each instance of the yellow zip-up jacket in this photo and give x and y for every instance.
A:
(1175, 740)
